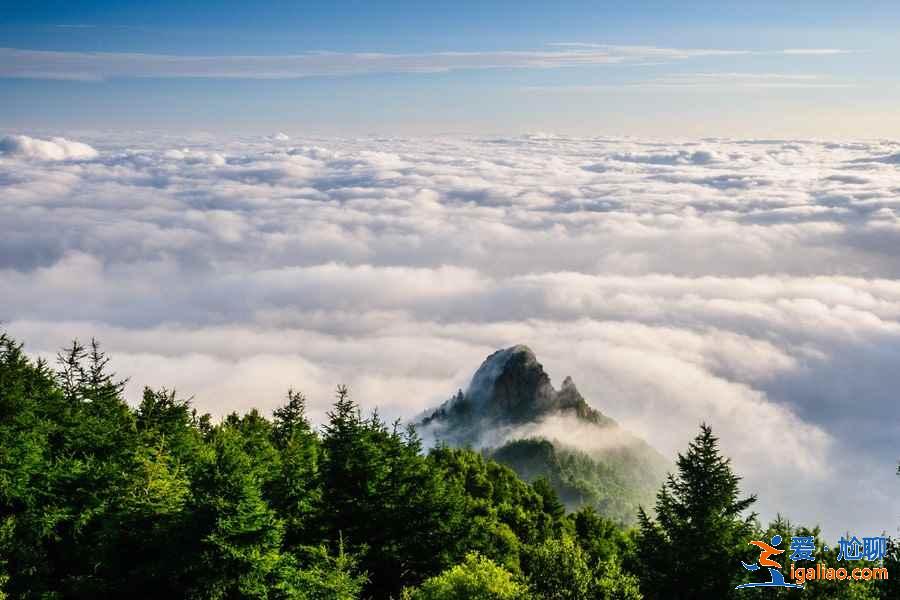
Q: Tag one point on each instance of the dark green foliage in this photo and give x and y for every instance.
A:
(236, 536)
(395, 512)
(102, 500)
(290, 420)
(503, 513)
(600, 538)
(701, 530)
(69, 444)
(296, 491)
(549, 500)
(890, 589)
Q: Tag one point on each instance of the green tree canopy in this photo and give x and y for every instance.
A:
(99, 499)
(692, 549)
(477, 577)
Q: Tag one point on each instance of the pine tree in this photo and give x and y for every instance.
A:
(551, 503)
(71, 373)
(162, 418)
(290, 419)
(297, 493)
(693, 549)
(381, 495)
(99, 384)
(29, 397)
(64, 461)
(237, 536)
(146, 520)
(600, 537)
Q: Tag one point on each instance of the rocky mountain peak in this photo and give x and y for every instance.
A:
(511, 387)
(512, 412)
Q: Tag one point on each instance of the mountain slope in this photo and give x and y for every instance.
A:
(512, 411)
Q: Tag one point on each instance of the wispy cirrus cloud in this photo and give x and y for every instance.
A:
(97, 66)
(816, 51)
(710, 81)
(747, 80)
(651, 52)
(681, 53)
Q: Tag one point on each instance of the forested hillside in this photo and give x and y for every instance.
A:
(612, 483)
(103, 500)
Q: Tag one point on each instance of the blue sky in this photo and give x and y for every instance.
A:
(684, 69)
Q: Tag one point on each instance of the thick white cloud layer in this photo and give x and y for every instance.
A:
(54, 149)
(752, 284)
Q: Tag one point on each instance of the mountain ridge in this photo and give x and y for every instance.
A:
(514, 414)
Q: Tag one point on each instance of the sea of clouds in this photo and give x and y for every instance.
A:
(752, 284)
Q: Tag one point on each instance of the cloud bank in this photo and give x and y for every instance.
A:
(54, 149)
(97, 66)
(753, 284)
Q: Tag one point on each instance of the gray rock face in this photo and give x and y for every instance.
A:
(511, 382)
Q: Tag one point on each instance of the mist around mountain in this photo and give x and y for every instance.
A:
(514, 415)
